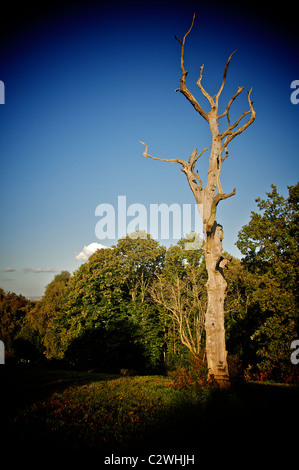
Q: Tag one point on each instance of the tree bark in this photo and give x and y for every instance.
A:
(214, 320)
(216, 285)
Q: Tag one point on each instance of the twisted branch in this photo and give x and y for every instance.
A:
(188, 168)
(229, 134)
(183, 89)
(220, 140)
(224, 78)
(204, 92)
(169, 160)
(214, 101)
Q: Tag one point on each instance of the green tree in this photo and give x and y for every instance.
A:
(13, 309)
(94, 298)
(270, 245)
(49, 305)
(106, 319)
(141, 258)
(242, 312)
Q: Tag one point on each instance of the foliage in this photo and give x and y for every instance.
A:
(242, 313)
(105, 320)
(50, 304)
(270, 245)
(39, 319)
(13, 311)
(141, 259)
(94, 301)
(193, 379)
(139, 306)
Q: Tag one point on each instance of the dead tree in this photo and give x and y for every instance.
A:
(209, 197)
(181, 298)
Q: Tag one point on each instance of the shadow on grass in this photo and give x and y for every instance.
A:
(23, 385)
(253, 418)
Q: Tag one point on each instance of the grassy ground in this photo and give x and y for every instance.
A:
(87, 415)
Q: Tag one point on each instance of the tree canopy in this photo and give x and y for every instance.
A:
(141, 306)
(270, 245)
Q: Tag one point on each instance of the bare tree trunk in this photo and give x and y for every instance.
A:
(209, 197)
(216, 285)
(214, 321)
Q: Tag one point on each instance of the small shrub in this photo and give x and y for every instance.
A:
(192, 378)
(128, 372)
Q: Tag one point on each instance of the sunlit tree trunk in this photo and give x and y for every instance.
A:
(214, 320)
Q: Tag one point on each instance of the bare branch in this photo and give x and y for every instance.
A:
(226, 196)
(188, 168)
(192, 176)
(192, 160)
(184, 71)
(170, 160)
(183, 89)
(183, 45)
(225, 156)
(198, 179)
(226, 112)
(204, 92)
(194, 157)
(183, 304)
(224, 78)
(229, 134)
(189, 29)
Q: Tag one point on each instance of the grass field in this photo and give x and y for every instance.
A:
(89, 415)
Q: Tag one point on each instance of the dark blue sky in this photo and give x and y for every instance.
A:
(86, 81)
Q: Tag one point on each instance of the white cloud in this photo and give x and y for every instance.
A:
(40, 270)
(88, 251)
(8, 270)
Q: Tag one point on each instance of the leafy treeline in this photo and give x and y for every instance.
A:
(141, 306)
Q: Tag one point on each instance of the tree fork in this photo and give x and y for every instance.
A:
(209, 197)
